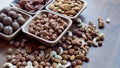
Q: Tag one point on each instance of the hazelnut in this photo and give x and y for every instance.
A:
(9, 51)
(24, 63)
(73, 63)
(78, 62)
(9, 57)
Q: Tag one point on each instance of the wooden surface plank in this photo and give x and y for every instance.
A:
(106, 56)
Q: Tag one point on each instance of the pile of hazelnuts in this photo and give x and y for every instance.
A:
(48, 26)
(31, 5)
(10, 20)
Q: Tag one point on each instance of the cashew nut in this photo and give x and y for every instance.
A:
(61, 50)
(63, 66)
(82, 40)
(66, 65)
(95, 41)
(29, 63)
(14, 67)
(70, 33)
(101, 35)
(29, 67)
(41, 53)
(81, 24)
(53, 53)
(9, 65)
(58, 57)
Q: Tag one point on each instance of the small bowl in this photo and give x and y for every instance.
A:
(75, 16)
(14, 2)
(25, 29)
(11, 36)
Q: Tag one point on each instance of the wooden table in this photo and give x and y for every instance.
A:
(107, 56)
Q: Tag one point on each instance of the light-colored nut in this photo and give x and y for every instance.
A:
(29, 63)
(61, 50)
(7, 65)
(58, 57)
(35, 63)
(54, 64)
(72, 58)
(29, 67)
(53, 53)
(58, 60)
(41, 53)
(78, 66)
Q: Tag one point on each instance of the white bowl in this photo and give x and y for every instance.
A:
(75, 16)
(44, 41)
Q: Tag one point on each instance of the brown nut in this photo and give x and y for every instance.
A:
(65, 57)
(9, 51)
(9, 57)
(28, 49)
(78, 62)
(54, 64)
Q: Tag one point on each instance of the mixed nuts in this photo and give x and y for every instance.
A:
(70, 52)
(31, 5)
(48, 26)
(67, 7)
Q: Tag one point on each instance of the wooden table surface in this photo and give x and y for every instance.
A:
(107, 56)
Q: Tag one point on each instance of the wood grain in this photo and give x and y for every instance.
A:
(107, 56)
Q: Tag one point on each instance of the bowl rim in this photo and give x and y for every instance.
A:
(39, 38)
(75, 16)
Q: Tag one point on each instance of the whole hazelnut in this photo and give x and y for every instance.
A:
(36, 52)
(50, 15)
(9, 51)
(38, 58)
(8, 30)
(1, 26)
(21, 20)
(12, 14)
(7, 20)
(18, 64)
(24, 63)
(9, 57)
(15, 25)
(73, 63)
(78, 62)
